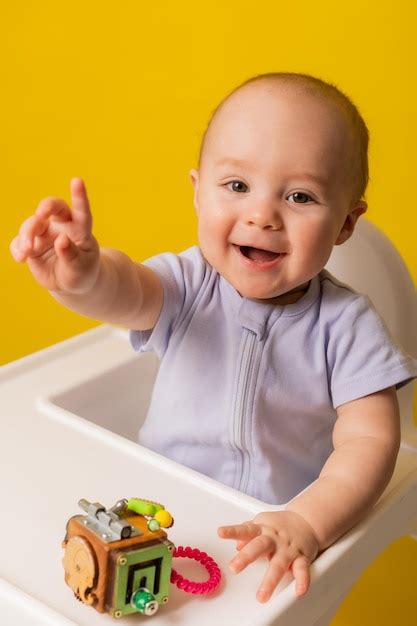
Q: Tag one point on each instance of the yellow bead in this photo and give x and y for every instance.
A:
(164, 518)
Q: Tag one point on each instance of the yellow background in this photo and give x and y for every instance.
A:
(119, 94)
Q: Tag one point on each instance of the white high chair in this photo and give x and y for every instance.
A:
(69, 421)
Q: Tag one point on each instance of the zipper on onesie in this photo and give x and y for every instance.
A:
(241, 418)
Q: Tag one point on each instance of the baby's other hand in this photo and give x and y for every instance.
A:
(58, 244)
(285, 538)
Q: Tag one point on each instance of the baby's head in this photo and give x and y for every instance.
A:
(282, 172)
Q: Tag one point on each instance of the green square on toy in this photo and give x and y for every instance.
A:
(146, 566)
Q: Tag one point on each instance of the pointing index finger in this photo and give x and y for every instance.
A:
(80, 203)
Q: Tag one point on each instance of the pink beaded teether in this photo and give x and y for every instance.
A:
(211, 566)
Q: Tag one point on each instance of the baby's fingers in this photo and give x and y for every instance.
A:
(22, 246)
(276, 570)
(18, 251)
(65, 248)
(80, 203)
(55, 209)
(243, 532)
(301, 571)
(260, 546)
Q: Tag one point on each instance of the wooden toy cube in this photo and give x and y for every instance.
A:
(111, 571)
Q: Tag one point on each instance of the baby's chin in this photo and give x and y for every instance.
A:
(273, 297)
(253, 293)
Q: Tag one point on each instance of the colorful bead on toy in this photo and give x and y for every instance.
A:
(120, 560)
(156, 513)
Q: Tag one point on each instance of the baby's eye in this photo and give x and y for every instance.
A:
(300, 194)
(236, 186)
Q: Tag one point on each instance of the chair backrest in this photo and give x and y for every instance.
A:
(371, 264)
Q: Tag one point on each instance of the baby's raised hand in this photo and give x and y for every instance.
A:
(285, 538)
(58, 244)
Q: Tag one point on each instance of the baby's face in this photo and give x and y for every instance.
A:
(273, 191)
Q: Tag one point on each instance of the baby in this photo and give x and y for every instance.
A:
(275, 378)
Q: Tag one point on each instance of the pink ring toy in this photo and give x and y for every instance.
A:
(211, 566)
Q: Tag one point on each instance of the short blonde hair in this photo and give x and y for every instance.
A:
(315, 86)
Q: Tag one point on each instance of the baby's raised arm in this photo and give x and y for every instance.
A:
(64, 257)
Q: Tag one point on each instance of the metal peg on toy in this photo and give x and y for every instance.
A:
(120, 560)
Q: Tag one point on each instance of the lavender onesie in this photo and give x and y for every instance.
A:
(246, 392)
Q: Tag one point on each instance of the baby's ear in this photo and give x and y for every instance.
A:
(194, 180)
(350, 222)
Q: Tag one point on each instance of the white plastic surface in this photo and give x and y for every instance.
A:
(20, 609)
(68, 422)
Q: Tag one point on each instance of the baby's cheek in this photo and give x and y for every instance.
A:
(214, 230)
(316, 247)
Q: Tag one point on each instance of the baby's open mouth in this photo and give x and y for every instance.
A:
(257, 254)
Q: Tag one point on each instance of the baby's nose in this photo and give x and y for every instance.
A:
(264, 215)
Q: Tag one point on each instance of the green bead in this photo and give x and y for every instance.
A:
(153, 525)
(143, 601)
